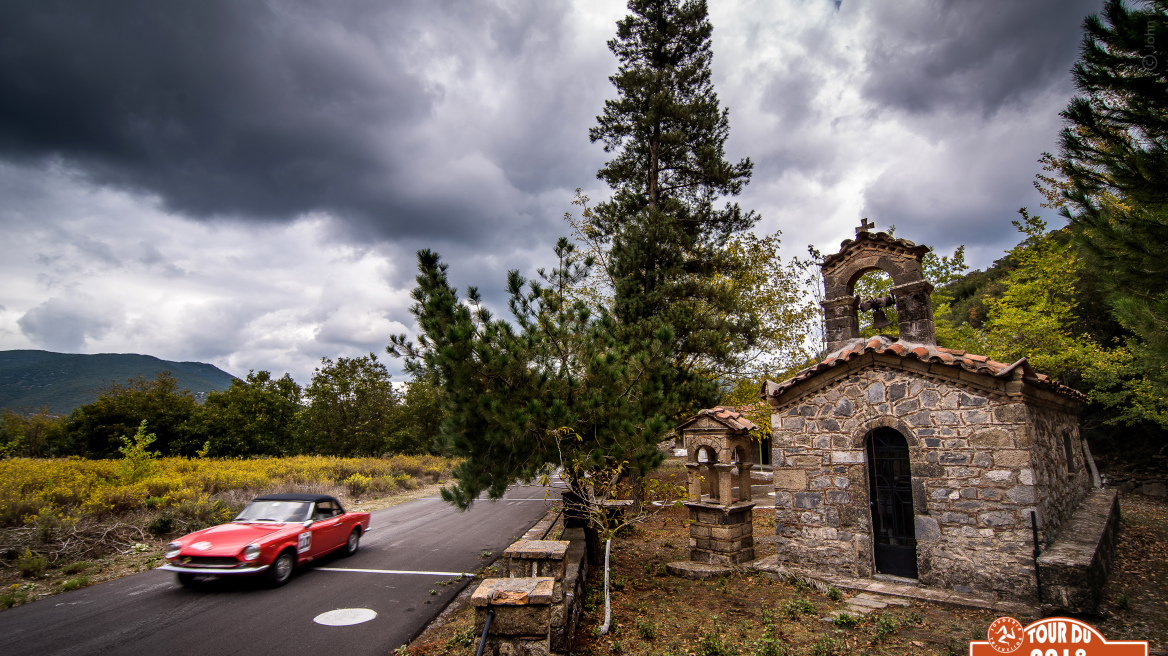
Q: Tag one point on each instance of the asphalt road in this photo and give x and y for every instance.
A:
(409, 551)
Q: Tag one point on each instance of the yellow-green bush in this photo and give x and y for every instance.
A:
(76, 487)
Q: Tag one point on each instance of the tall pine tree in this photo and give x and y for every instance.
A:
(560, 385)
(668, 240)
(1114, 163)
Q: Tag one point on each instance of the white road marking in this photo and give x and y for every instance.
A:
(345, 616)
(389, 571)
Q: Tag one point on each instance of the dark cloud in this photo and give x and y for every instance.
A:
(271, 110)
(971, 56)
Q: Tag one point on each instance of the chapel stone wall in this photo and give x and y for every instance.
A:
(974, 474)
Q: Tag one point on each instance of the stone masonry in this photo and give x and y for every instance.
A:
(988, 444)
(980, 450)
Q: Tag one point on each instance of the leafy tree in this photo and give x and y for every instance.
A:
(97, 428)
(33, 435)
(418, 426)
(256, 416)
(1111, 176)
(351, 407)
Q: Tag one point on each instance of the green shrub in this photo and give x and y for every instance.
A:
(73, 584)
(464, 638)
(712, 645)
(834, 594)
(31, 565)
(886, 625)
(75, 568)
(161, 525)
(645, 629)
(845, 621)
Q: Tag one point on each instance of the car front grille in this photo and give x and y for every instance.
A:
(208, 561)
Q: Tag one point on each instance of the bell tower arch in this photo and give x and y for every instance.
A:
(901, 260)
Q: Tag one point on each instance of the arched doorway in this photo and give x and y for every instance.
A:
(894, 543)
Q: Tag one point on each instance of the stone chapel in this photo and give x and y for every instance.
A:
(900, 459)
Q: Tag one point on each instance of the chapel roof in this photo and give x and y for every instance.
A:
(880, 344)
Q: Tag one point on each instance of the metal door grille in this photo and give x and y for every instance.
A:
(890, 478)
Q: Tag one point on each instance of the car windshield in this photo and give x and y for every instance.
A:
(274, 511)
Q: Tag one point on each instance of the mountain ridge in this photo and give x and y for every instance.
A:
(32, 379)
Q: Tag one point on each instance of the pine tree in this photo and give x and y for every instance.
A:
(668, 240)
(562, 385)
(1114, 163)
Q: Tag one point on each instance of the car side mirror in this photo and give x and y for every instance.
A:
(307, 523)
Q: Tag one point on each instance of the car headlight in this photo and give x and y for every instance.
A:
(172, 550)
(251, 552)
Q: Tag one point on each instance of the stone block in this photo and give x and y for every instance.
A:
(1022, 494)
(990, 437)
(808, 499)
(950, 458)
(945, 418)
(997, 518)
(790, 479)
(927, 529)
(874, 393)
(905, 407)
(968, 401)
(514, 592)
(847, 457)
(1000, 476)
(1012, 413)
(974, 417)
(838, 497)
(515, 620)
(1014, 459)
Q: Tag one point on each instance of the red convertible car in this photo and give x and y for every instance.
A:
(272, 535)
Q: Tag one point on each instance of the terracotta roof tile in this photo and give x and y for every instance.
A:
(928, 353)
(727, 415)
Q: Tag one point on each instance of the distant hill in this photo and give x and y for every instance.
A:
(63, 381)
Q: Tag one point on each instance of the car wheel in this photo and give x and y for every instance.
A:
(354, 543)
(281, 569)
(187, 580)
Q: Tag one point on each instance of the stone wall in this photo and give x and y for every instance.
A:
(1064, 483)
(538, 599)
(974, 477)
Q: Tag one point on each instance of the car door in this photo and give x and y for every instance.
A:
(328, 532)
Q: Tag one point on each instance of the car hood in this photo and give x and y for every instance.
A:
(229, 539)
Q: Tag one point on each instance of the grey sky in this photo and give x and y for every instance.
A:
(246, 183)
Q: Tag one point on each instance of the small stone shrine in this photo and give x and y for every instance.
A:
(721, 534)
(900, 459)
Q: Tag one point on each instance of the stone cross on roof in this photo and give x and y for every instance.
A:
(865, 226)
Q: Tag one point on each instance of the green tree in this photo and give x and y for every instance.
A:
(669, 261)
(590, 388)
(351, 407)
(33, 434)
(1111, 176)
(256, 416)
(97, 428)
(509, 390)
(418, 426)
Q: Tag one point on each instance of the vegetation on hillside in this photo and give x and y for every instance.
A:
(348, 409)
